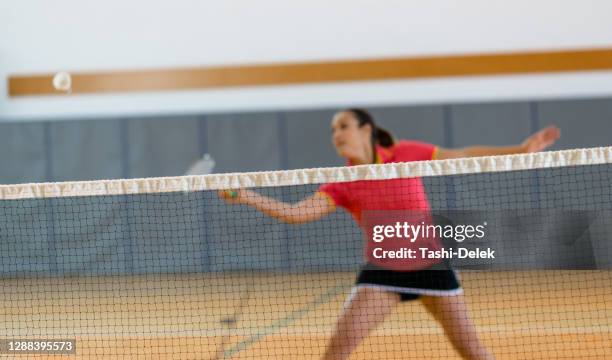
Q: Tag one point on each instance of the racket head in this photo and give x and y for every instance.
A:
(203, 166)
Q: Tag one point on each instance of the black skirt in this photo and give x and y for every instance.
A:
(410, 285)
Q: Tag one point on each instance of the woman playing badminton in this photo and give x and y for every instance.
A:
(379, 289)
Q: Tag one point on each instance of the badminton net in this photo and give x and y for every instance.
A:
(166, 268)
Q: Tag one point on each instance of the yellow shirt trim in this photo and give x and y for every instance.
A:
(434, 155)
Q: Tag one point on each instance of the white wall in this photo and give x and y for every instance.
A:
(41, 37)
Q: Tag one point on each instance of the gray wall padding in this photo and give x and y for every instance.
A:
(122, 236)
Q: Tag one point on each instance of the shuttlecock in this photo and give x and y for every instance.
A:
(62, 81)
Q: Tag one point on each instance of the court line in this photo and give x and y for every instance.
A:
(284, 322)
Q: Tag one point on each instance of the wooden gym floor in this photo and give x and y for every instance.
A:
(519, 315)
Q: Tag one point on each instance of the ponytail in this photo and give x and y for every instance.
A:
(383, 138)
(380, 136)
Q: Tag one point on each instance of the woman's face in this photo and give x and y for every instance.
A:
(350, 140)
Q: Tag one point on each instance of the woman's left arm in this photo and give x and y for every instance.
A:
(534, 143)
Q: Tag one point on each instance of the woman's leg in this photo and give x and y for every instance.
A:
(365, 309)
(452, 313)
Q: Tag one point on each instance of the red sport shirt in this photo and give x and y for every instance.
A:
(389, 195)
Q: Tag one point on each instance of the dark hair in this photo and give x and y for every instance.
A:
(380, 136)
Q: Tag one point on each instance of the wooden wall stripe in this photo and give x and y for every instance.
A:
(317, 72)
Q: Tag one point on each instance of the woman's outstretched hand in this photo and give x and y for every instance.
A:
(541, 139)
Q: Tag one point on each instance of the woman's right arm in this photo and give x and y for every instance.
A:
(310, 209)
